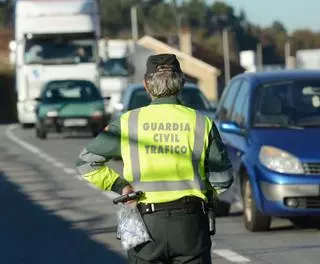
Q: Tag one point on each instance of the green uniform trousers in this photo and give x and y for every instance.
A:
(180, 236)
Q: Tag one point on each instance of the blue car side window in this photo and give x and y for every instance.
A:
(226, 107)
(241, 104)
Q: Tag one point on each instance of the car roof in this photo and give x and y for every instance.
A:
(283, 75)
(135, 86)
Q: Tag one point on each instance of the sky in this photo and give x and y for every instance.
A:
(292, 13)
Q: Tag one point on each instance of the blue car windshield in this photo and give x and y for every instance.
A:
(192, 98)
(287, 103)
(62, 91)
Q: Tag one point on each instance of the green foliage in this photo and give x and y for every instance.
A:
(163, 17)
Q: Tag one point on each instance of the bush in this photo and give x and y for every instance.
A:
(8, 98)
(5, 36)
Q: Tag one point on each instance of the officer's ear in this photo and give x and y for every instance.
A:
(145, 87)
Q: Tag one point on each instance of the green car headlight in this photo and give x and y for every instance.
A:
(52, 114)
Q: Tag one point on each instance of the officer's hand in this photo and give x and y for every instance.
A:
(126, 190)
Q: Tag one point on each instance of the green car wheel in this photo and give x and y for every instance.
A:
(41, 133)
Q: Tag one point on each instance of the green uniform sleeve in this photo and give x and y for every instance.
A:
(217, 159)
(92, 159)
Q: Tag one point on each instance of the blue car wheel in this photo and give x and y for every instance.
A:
(254, 220)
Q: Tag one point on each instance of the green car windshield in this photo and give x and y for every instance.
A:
(75, 91)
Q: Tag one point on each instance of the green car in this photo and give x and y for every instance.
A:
(70, 105)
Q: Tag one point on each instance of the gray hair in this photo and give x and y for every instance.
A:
(164, 83)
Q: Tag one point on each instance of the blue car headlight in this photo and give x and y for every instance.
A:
(280, 161)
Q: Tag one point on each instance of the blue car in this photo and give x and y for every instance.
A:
(270, 123)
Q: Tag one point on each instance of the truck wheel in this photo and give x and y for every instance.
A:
(25, 125)
(254, 220)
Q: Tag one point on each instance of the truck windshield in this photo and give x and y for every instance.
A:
(115, 67)
(287, 104)
(59, 49)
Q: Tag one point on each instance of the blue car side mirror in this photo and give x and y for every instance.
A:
(231, 127)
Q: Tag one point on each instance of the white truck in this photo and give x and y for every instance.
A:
(54, 39)
(308, 59)
(116, 70)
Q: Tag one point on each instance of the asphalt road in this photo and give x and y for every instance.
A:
(50, 216)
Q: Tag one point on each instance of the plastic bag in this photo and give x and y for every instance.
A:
(132, 230)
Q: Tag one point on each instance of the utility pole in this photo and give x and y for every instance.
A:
(259, 57)
(226, 57)
(134, 23)
(287, 52)
(178, 16)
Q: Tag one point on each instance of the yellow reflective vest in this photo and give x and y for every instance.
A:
(163, 148)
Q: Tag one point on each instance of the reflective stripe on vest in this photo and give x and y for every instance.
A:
(196, 183)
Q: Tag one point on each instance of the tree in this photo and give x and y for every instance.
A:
(278, 28)
(222, 15)
(194, 11)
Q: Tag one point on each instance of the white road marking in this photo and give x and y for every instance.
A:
(78, 177)
(110, 195)
(69, 170)
(22, 143)
(49, 159)
(58, 164)
(231, 256)
(224, 253)
(92, 186)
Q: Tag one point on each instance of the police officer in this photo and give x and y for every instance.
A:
(169, 152)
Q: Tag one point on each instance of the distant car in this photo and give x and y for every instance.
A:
(115, 75)
(270, 123)
(135, 96)
(70, 105)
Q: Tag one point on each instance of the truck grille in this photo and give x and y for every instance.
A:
(311, 168)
